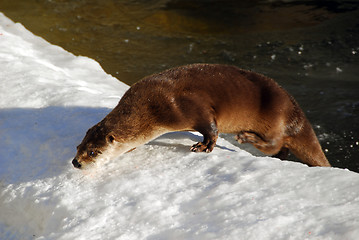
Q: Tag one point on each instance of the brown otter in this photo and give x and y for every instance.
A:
(207, 98)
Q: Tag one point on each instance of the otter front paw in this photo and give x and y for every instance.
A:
(200, 147)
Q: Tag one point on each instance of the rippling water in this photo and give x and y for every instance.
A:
(310, 47)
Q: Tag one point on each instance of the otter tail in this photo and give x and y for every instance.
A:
(305, 146)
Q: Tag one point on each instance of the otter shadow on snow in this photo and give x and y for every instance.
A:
(161, 141)
(40, 143)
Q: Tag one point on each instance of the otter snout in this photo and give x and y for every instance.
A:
(76, 163)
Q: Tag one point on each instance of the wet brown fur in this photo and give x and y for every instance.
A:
(209, 98)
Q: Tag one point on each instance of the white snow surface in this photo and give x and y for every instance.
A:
(161, 190)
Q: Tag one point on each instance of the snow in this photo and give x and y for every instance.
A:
(161, 190)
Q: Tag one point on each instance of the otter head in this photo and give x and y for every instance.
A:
(98, 144)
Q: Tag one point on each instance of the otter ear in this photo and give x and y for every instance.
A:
(110, 138)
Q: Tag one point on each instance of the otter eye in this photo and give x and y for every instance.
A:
(91, 154)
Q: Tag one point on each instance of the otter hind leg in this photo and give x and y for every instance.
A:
(270, 147)
(210, 135)
(249, 137)
(282, 154)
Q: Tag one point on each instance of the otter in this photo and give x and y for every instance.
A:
(208, 98)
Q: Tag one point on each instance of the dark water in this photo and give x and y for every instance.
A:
(310, 47)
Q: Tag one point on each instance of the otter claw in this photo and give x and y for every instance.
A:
(239, 139)
(200, 147)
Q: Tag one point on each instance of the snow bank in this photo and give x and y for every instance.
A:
(37, 74)
(49, 98)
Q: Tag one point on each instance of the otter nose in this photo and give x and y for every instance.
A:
(76, 163)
